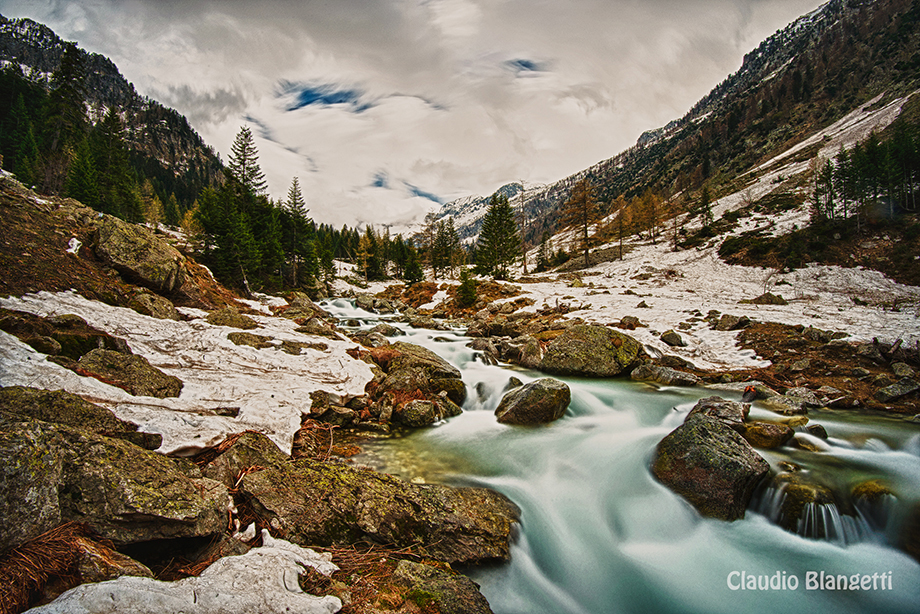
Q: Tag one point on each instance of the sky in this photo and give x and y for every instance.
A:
(385, 108)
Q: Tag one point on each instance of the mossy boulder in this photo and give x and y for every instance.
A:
(767, 435)
(55, 473)
(538, 402)
(710, 465)
(62, 407)
(230, 316)
(411, 368)
(325, 504)
(257, 341)
(139, 255)
(67, 335)
(666, 376)
(154, 305)
(730, 413)
(796, 496)
(29, 477)
(448, 591)
(591, 351)
(132, 373)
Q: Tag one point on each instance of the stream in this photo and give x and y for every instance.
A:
(600, 535)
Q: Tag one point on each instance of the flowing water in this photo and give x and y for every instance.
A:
(599, 534)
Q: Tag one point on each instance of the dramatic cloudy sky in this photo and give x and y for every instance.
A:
(383, 108)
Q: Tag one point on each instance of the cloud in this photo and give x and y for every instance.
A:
(384, 108)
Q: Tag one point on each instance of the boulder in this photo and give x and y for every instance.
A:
(730, 413)
(301, 307)
(122, 492)
(257, 341)
(387, 330)
(410, 368)
(591, 351)
(418, 413)
(325, 503)
(900, 389)
(154, 305)
(665, 376)
(448, 591)
(541, 401)
(29, 476)
(318, 327)
(710, 465)
(797, 496)
(132, 373)
(767, 435)
(729, 322)
(786, 405)
(139, 255)
(62, 407)
(230, 316)
(768, 298)
(673, 338)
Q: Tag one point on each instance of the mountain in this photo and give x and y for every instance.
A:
(163, 145)
(804, 78)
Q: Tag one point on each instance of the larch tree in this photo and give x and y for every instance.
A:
(581, 211)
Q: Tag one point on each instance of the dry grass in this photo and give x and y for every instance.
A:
(25, 570)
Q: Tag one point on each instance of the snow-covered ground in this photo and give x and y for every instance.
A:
(675, 286)
(270, 387)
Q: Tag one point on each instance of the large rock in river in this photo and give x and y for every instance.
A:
(592, 351)
(140, 255)
(710, 465)
(540, 401)
(410, 368)
(323, 503)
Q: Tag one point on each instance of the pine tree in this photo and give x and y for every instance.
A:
(82, 181)
(65, 124)
(499, 244)
(244, 162)
(413, 273)
(466, 292)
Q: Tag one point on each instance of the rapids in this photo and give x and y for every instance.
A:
(599, 534)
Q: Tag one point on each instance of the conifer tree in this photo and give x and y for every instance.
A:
(82, 181)
(244, 162)
(413, 272)
(499, 244)
(580, 211)
(65, 122)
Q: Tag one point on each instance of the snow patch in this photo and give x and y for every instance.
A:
(267, 389)
(262, 580)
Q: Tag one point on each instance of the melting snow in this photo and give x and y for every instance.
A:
(269, 387)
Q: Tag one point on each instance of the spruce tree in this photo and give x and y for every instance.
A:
(499, 244)
(413, 272)
(82, 181)
(244, 162)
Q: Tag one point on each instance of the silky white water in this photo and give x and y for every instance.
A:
(599, 534)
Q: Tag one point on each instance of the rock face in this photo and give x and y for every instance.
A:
(709, 464)
(665, 376)
(132, 373)
(592, 351)
(320, 503)
(140, 255)
(541, 401)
